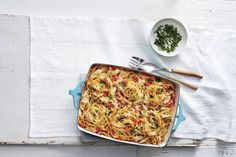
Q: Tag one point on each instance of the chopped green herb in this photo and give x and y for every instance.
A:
(167, 38)
(110, 97)
(132, 131)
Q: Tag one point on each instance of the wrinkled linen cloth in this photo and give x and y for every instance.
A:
(62, 49)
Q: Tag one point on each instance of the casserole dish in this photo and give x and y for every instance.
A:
(129, 106)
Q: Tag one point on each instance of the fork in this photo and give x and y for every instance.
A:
(140, 64)
(170, 70)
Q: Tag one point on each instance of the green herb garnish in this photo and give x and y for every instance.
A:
(110, 97)
(167, 38)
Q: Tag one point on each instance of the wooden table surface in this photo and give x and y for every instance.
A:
(14, 69)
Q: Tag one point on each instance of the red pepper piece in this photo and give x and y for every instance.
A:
(115, 77)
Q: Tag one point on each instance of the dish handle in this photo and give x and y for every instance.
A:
(76, 93)
(179, 117)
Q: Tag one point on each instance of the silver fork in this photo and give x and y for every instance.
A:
(137, 60)
(140, 64)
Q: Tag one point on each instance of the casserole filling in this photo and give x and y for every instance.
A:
(127, 105)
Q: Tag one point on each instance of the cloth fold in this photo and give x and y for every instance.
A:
(64, 48)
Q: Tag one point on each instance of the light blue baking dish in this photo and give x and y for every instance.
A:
(76, 93)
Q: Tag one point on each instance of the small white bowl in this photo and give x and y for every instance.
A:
(181, 30)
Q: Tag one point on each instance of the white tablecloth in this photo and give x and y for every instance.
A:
(63, 48)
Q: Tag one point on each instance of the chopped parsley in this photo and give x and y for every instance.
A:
(167, 38)
(110, 97)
